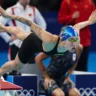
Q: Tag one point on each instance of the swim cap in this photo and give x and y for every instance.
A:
(67, 32)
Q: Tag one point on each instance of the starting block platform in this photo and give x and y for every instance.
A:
(85, 82)
(4, 85)
(29, 83)
(8, 89)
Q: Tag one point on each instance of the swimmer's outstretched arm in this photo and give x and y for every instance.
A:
(91, 20)
(41, 33)
(16, 31)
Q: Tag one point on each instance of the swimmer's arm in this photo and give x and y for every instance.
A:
(67, 79)
(71, 71)
(40, 32)
(39, 60)
(16, 31)
(79, 50)
(81, 25)
(91, 20)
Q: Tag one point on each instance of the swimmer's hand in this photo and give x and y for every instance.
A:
(2, 28)
(47, 82)
(3, 13)
(69, 80)
(92, 18)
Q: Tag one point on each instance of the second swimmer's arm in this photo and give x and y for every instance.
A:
(21, 19)
(41, 33)
(91, 20)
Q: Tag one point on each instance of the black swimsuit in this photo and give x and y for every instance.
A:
(60, 65)
(57, 70)
(54, 50)
(32, 44)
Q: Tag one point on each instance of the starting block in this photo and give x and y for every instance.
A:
(29, 83)
(8, 89)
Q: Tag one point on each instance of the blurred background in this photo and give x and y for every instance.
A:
(49, 9)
